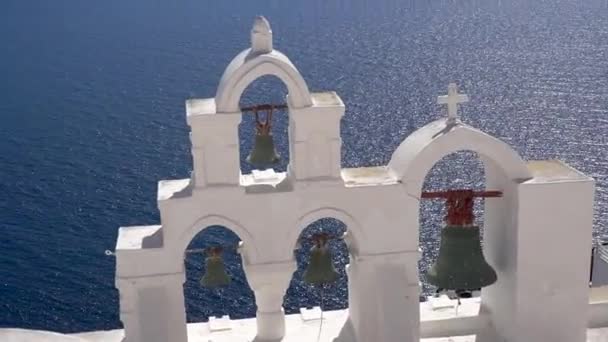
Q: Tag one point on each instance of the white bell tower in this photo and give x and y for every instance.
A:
(537, 236)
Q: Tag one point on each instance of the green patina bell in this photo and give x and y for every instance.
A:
(263, 152)
(320, 270)
(215, 275)
(461, 264)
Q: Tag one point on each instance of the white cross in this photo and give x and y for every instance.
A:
(452, 99)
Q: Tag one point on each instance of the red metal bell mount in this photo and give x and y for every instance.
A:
(459, 204)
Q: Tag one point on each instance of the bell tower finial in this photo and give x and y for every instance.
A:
(261, 36)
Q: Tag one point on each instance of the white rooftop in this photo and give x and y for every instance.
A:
(300, 327)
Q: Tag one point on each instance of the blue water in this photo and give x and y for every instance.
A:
(92, 116)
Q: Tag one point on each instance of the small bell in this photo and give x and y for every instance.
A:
(461, 264)
(215, 275)
(320, 270)
(263, 152)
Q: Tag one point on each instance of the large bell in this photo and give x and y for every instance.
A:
(461, 264)
(320, 270)
(216, 275)
(263, 152)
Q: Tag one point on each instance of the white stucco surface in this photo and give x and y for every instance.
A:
(301, 327)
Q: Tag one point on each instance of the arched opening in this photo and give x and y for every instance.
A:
(458, 170)
(235, 299)
(267, 89)
(332, 296)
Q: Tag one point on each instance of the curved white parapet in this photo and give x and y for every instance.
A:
(247, 67)
(417, 154)
(260, 60)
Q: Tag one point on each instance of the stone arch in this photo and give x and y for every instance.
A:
(417, 154)
(356, 233)
(461, 169)
(249, 66)
(198, 307)
(504, 170)
(250, 250)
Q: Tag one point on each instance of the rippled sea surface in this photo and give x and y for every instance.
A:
(92, 116)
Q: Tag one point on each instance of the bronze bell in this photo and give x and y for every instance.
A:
(215, 275)
(461, 264)
(264, 152)
(320, 269)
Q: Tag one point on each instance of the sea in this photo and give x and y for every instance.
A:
(92, 115)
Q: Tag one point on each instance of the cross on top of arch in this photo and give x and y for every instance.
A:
(452, 99)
